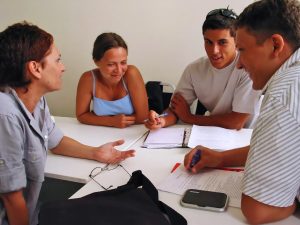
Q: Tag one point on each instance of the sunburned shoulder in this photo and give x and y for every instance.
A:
(132, 71)
(87, 73)
(86, 76)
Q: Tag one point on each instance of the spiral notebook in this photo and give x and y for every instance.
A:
(167, 138)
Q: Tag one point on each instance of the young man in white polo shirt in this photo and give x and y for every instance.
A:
(268, 39)
(224, 90)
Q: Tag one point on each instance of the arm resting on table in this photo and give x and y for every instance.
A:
(105, 153)
(258, 213)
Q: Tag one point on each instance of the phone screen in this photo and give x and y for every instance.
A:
(204, 199)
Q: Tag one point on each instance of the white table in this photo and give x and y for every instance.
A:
(156, 164)
(77, 170)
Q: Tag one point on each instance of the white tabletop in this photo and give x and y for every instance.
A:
(77, 170)
(156, 164)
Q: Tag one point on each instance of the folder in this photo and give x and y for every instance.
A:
(168, 137)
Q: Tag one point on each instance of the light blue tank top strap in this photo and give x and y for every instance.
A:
(94, 82)
(124, 84)
(103, 107)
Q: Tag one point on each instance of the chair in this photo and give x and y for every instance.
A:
(200, 109)
(159, 95)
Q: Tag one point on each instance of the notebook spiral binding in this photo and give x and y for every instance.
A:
(187, 134)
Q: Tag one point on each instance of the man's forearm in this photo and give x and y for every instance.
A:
(229, 121)
(259, 213)
(235, 157)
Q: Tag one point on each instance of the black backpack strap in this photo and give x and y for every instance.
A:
(138, 179)
(174, 217)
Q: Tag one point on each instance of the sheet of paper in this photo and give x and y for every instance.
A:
(219, 138)
(210, 180)
(165, 138)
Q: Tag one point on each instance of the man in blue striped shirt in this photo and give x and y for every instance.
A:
(268, 39)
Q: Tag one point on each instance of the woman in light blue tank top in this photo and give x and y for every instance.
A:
(114, 93)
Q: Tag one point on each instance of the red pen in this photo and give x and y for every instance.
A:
(231, 169)
(175, 167)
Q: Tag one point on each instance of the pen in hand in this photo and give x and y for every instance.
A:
(158, 116)
(196, 158)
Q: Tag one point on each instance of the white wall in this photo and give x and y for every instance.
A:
(163, 36)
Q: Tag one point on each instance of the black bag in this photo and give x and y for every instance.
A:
(126, 204)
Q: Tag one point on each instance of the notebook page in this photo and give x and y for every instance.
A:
(219, 138)
(166, 136)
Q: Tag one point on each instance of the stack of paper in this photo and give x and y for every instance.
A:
(219, 138)
(208, 179)
(165, 138)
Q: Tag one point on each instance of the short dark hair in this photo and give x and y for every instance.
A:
(106, 41)
(220, 19)
(19, 44)
(267, 17)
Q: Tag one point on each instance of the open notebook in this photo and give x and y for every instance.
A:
(167, 138)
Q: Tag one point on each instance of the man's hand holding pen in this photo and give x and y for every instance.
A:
(201, 157)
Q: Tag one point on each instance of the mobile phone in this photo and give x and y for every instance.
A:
(208, 200)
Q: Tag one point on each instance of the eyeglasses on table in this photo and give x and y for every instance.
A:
(108, 167)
